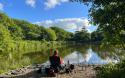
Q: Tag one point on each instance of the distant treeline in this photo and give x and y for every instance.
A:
(14, 30)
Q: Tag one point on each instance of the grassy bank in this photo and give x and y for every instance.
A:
(31, 46)
(20, 53)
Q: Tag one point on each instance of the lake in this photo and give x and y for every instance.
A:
(77, 54)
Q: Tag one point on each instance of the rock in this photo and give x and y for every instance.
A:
(97, 68)
(13, 73)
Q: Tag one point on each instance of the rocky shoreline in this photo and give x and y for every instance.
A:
(21, 71)
(86, 71)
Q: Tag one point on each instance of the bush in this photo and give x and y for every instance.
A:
(112, 71)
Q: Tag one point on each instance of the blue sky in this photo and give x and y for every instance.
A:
(62, 13)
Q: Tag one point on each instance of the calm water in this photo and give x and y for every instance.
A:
(90, 57)
(85, 54)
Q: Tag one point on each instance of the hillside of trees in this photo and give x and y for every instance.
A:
(14, 32)
(23, 30)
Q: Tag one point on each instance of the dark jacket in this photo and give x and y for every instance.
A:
(55, 61)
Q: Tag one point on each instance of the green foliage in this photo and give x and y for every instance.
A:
(18, 37)
(26, 53)
(16, 32)
(5, 20)
(5, 39)
(82, 36)
(30, 31)
(50, 35)
(112, 71)
(62, 34)
(23, 30)
(97, 36)
(109, 16)
(35, 46)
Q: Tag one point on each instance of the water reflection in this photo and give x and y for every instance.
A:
(89, 54)
(90, 57)
(74, 58)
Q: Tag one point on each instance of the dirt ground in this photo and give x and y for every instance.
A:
(78, 72)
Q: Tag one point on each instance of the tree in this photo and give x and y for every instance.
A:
(97, 36)
(109, 16)
(16, 32)
(62, 34)
(5, 20)
(42, 33)
(5, 39)
(50, 35)
(30, 31)
(82, 36)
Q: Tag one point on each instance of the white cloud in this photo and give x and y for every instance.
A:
(67, 23)
(31, 3)
(1, 6)
(52, 3)
(64, 0)
(46, 23)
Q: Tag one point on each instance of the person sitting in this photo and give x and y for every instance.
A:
(55, 61)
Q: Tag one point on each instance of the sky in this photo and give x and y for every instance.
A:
(61, 13)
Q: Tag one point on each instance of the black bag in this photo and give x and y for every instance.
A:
(39, 70)
(72, 67)
(50, 72)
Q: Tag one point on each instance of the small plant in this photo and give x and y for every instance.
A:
(112, 71)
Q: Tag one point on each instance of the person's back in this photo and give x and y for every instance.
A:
(55, 61)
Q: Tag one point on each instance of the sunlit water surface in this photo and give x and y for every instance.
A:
(83, 54)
